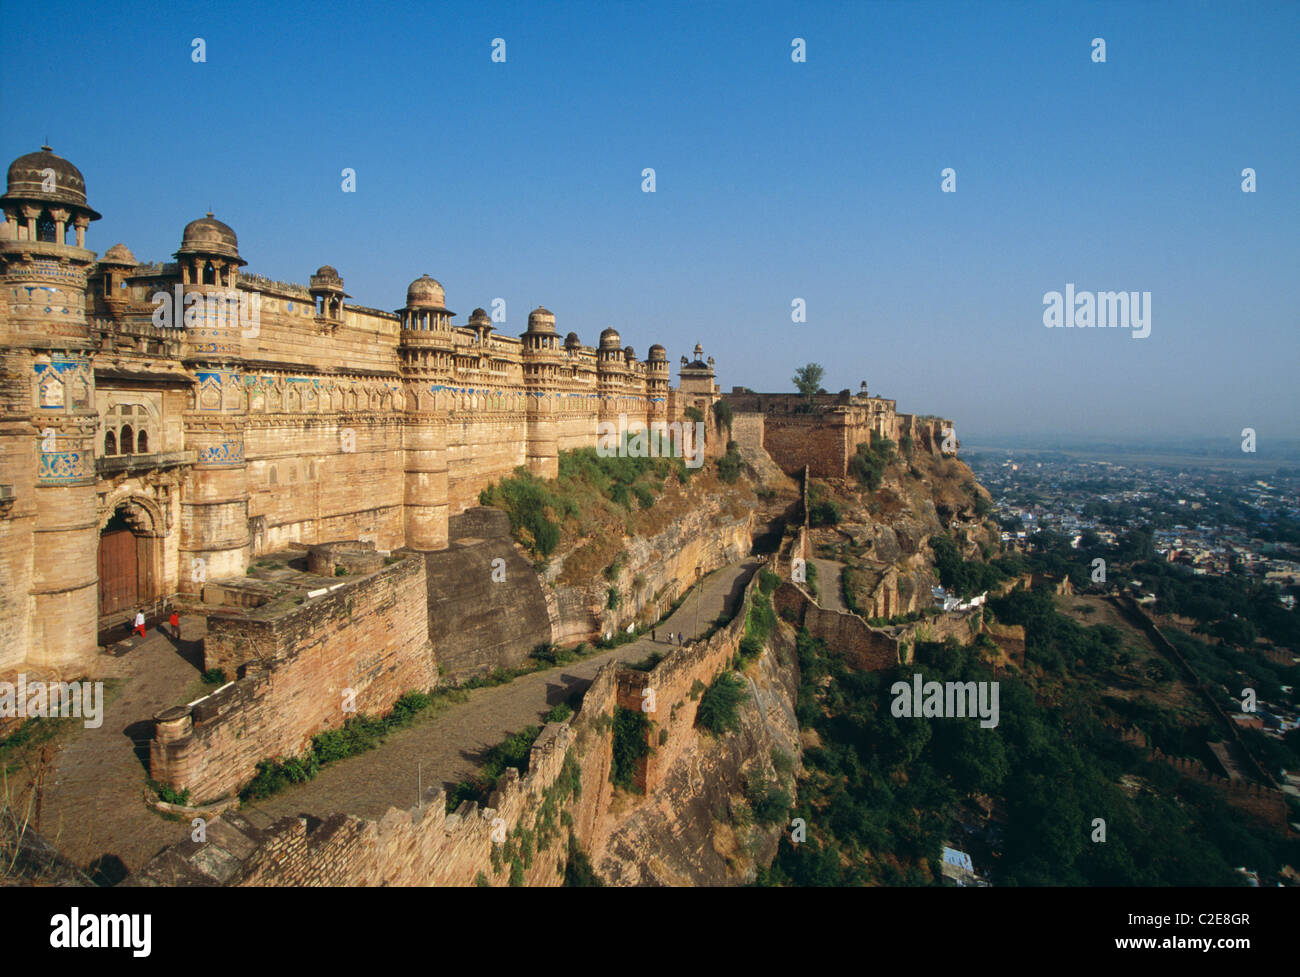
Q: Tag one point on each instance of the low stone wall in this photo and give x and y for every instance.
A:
(420, 846)
(369, 638)
(426, 846)
(845, 634)
(671, 682)
(1258, 800)
(324, 559)
(863, 646)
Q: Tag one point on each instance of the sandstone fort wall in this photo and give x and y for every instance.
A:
(369, 636)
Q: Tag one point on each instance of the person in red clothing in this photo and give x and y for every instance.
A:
(139, 623)
(175, 622)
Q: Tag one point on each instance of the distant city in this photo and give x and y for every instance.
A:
(1215, 521)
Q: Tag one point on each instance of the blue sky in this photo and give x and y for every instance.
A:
(775, 180)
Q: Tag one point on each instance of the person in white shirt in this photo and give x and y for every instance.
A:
(139, 623)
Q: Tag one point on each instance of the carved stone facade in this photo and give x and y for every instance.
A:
(173, 421)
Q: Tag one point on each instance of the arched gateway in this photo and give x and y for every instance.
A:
(127, 560)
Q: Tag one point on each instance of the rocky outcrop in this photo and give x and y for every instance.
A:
(697, 827)
(652, 572)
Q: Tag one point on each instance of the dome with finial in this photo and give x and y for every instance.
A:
(610, 339)
(327, 271)
(426, 293)
(479, 319)
(118, 254)
(30, 176)
(207, 235)
(541, 320)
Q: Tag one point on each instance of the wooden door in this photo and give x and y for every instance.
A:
(119, 572)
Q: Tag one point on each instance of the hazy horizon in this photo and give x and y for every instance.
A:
(775, 181)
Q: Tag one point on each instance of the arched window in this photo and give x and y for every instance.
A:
(130, 429)
(45, 229)
(209, 274)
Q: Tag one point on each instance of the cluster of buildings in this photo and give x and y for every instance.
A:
(1192, 524)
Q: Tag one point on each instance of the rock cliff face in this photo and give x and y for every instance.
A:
(698, 826)
(883, 537)
(487, 609)
(652, 570)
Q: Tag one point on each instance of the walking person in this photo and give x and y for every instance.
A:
(652, 635)
(175, 622)
(139, 623)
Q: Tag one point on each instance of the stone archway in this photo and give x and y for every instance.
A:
(128, 559)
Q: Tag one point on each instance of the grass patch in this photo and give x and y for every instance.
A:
(358, 735)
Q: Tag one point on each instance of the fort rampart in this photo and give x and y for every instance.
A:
(306, 669)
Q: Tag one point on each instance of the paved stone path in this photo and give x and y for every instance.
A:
(92, 806)
(449, 747)
(829, 594)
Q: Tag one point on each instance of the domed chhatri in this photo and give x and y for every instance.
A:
(479, 319)
(571, 341)
(119, 254)
(44, 175)
(541, 320)
(426, 293)
(209, 236)
(658, 354)
(45, 198)
(327, 271)
(610, 339)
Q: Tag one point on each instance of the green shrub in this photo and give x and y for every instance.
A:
(769, 802)
(719, 705)
(870, 460)
(558, 714)
(531, 507)
(547, 652)
(578, 870)
(631, 730)
(170, 796)
(825, 513)
(514, 751)
(730, 464)
(644, 497)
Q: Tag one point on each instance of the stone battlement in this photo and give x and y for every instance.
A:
(300, 670)
(822, 433)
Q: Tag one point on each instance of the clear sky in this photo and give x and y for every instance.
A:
(775, 180)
